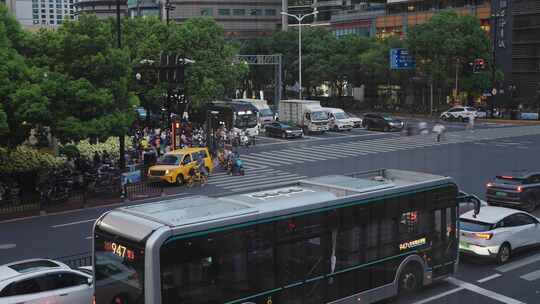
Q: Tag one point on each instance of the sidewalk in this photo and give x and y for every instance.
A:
(488, 120)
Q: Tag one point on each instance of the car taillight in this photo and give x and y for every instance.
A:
(93, 299)
(519, 189)
(485, 236)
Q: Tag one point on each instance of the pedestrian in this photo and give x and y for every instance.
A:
(470, 125)
(439, 130)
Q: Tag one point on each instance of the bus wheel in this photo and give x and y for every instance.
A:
(410, 279)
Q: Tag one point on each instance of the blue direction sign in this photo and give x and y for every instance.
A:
(401, 59)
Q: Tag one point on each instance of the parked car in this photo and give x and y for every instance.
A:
(497, 232)
(384, 122)
(458, 113)
(174, 166)
(519, 190)
(44, 281)
(356, 120)
(283, 130)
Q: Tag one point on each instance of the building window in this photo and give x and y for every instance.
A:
(35, 16)
(206, 12)
(43, 22)
(51, 21)
(36, 21)
(72, 17)
(42, 4)
(59, 22)
(239, 12)
(270, 12)
(58, 16)
(255, 12)
(35, 11)
(224, 12)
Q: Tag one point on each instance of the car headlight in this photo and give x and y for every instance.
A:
(288, 131)
(167, 172)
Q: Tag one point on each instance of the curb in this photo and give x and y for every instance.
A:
(42, 213)
(489, 120)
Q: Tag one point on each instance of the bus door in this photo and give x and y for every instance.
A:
(445, 243)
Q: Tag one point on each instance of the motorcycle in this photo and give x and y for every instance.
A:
(235, 166)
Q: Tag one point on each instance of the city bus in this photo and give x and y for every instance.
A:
(356, 238)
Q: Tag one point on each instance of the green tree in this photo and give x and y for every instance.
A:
(85, 82)
(447, 43)
(203, 40)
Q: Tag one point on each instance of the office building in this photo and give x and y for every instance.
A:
(240, 18)
(35, 14)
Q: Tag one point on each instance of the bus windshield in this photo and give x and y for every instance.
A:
(246, 121)
(119, 269)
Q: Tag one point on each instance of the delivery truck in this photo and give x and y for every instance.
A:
(307, 114)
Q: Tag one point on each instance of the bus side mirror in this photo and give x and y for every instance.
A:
(477, 204)
(90, 281)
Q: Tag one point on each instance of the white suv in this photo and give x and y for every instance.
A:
(497, 232)
(44, 281)
(459, 113)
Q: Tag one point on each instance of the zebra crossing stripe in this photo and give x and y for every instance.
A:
(285, 155)
(256, 158)
(311, 154)
(272, 156)
(259, 179)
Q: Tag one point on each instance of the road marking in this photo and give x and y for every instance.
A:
(531, 276)
(73, 223)
(518, 264)
(491, 277)
(486, 293)
(438, 296)
(7, 246)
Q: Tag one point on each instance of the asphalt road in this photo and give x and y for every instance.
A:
(470, 157)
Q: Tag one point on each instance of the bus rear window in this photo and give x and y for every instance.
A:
(119, 269)
(474, 226)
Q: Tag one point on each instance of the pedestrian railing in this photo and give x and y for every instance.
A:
(76, 260)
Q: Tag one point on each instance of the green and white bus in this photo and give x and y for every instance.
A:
(358, 238)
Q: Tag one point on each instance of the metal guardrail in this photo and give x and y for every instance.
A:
(77, 260)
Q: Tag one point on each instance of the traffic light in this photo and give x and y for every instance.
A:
(478, 65)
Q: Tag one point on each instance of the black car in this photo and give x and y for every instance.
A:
(372, 121)
(521, 190)
(283, 130)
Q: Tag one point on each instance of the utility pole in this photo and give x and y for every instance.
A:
(121, 138)
(495, 22)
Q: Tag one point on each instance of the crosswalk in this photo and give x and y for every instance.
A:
(315, 153)
(253, 179)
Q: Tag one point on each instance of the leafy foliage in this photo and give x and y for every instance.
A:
(25, 159)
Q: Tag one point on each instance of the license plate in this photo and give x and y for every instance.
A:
(500, 193)
(463, 245)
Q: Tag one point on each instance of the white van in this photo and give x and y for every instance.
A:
(339, 120)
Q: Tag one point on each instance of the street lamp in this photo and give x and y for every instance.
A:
(299, 18)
